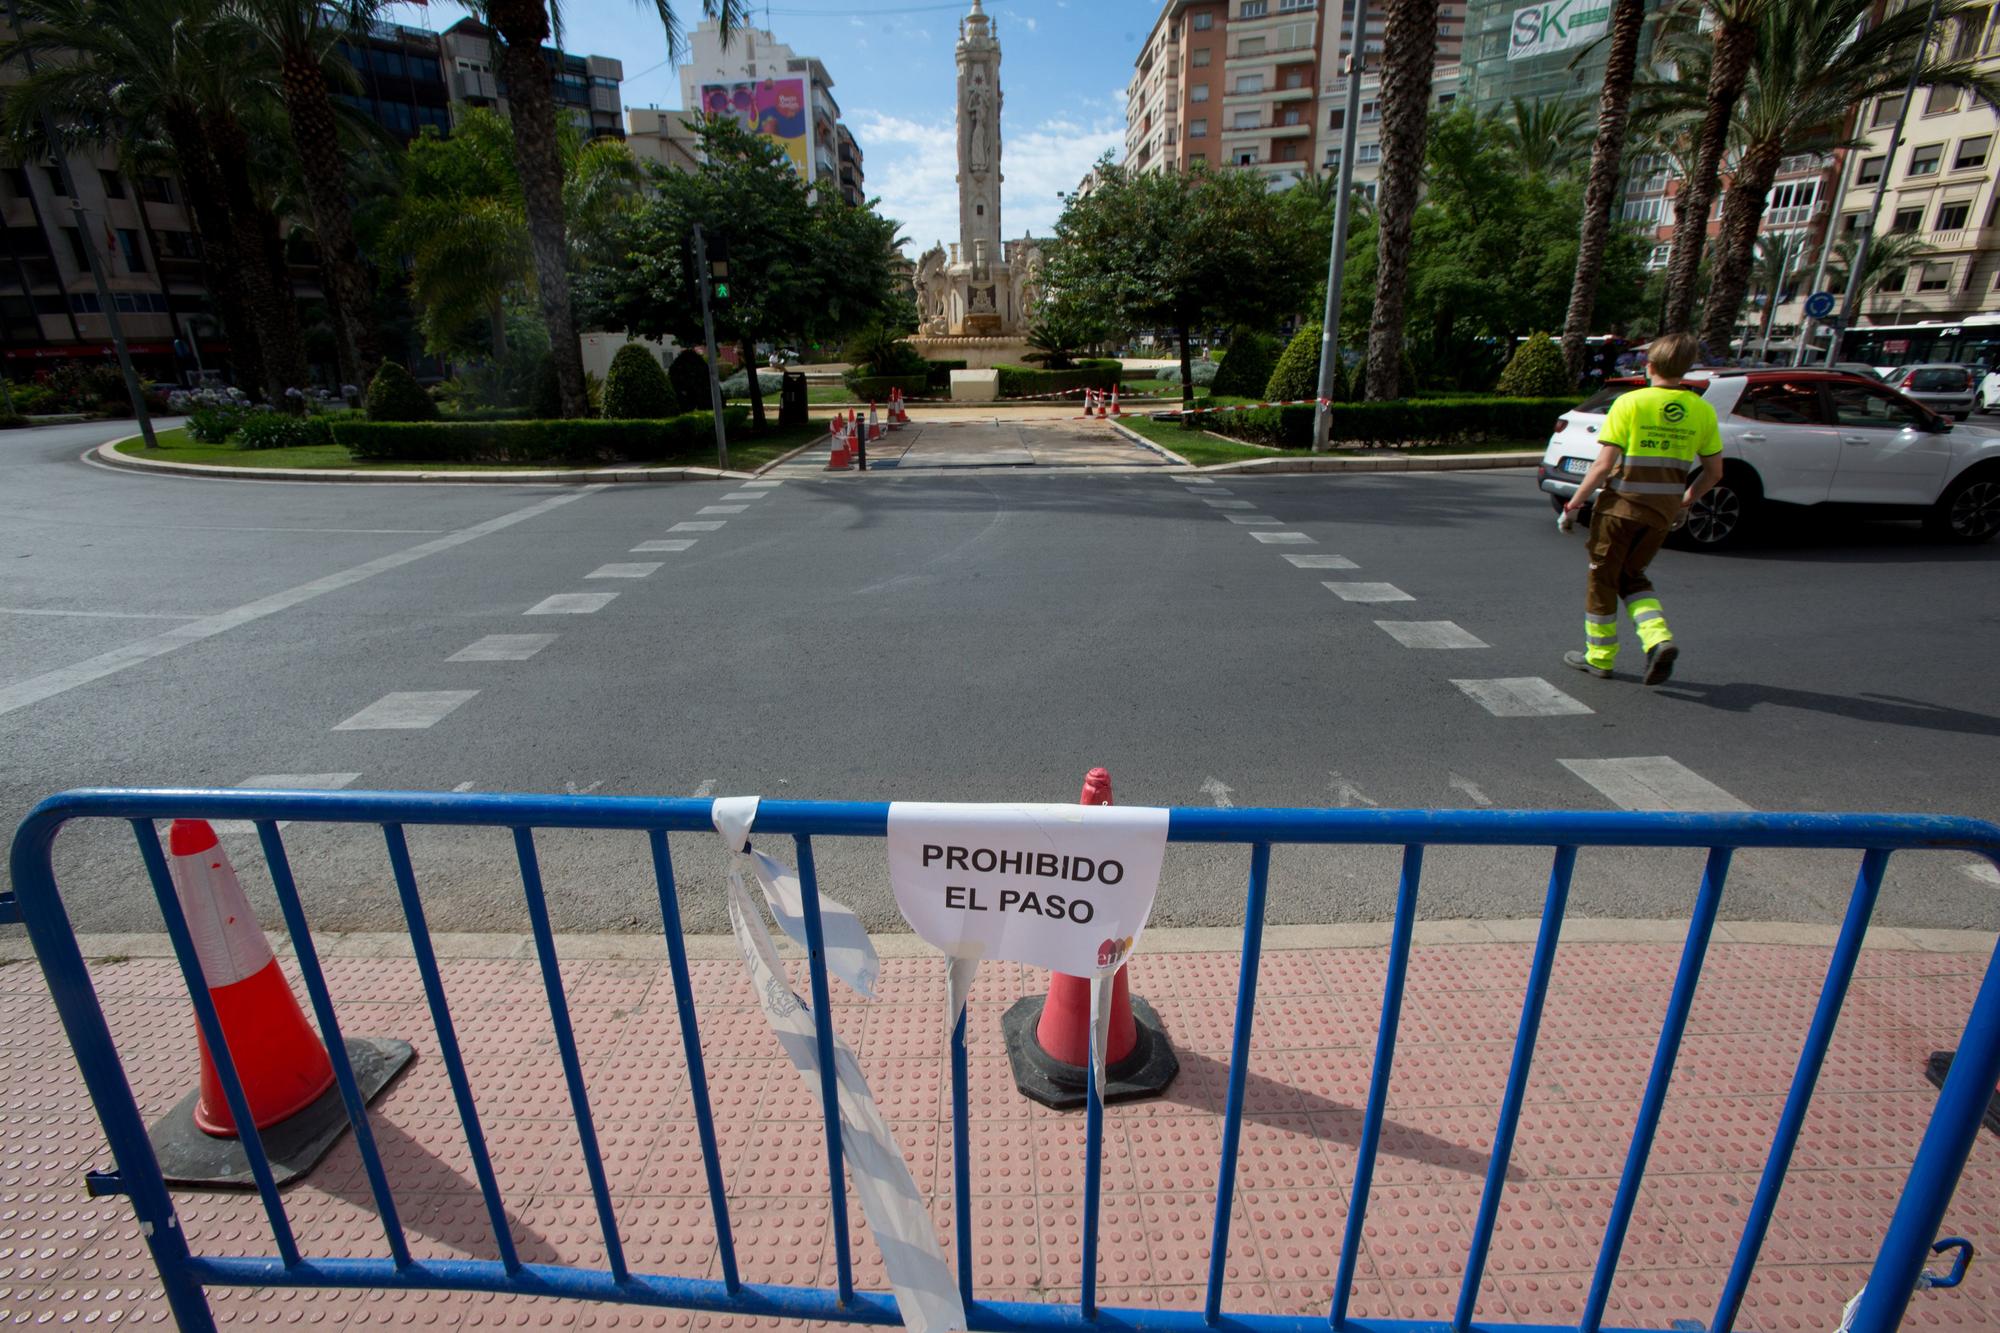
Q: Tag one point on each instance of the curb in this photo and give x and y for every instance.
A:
(108, 455)
(1144, 443)
(1609, 931)
(783, 459)
(1390, 462)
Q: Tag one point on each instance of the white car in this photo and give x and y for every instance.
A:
(1989, 392)
(1811, 437)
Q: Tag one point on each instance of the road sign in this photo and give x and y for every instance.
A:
(1819, 305)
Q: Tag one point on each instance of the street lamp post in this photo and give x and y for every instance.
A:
(1336, 262)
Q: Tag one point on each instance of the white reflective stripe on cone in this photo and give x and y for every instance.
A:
(227, 939)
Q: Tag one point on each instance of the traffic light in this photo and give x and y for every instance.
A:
(718, 267)
(721, 291)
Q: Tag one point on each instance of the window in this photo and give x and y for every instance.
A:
(1368, 152)
(1336, 117)
(1907, 219)
(1200, 58)
(1198, 93)
(1246, 158)
(156, 189)
(1886, 112)
(1972, 153)
(1245, 120)
(1935, 278)
(1967, 30)
(1253, 9)
(1660, 256)
(114, 184)
(1924, 160)
(1653, 210)
(1940, 100)
(1871, 170)
(1291, 36)
(1333, 159)
(1893, 280)
(1951, 217)
(1250, 46)
(1293, 6)
(1370, 112)
(1249, 83)
(1859, 405)
(129, 247)
(1850, 223)
(1295, 78)
(1197, 129)
(85, 303)
(1784, 402)
(1288, 151)
(1292, 115)
(1446, 99)
(1204, 21)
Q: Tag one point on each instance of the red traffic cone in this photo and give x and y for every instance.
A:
(874, 426)
(1048, 1039)
(1114, 402)
(838, 459)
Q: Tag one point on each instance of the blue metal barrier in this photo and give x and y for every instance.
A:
(1898, 1266)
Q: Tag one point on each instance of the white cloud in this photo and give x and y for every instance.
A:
(913, 166)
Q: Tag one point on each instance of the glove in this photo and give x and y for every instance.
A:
(1566, 520)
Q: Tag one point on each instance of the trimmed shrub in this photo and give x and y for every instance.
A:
(33, 399)
(275, 430)
(394, 396)
(1022, 382)
(1204, 373)
(1536, 370)
(213, 425)
(1403, 422)
(738, 385)
(875, 388)
(1297, 373)
(688, 375)
(691, 434)
(937, 374)
(636, 388)
(1247, 368)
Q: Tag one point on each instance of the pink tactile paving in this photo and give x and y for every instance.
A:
(66, 1257)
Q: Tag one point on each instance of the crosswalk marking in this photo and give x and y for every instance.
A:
(1429, 634)
(1284, 538)
(746, 495)
(282, 782)
(1367, 592)
(637, 569)
(760, 485)
(1320, 561)
(705, 525)
(721, 509)
(1213, 489)
(1653, 782)
(503, 648)
(406, 710)
(1250, 520)
(571, 604)
(666, 544)
(1522, 696)
(1229, 504)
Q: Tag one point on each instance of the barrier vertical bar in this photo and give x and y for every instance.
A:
(1239, 1071)
(961, 1154)
(1093, 1173)
(139, 1178)
(1546, 940)
(280, 865)
(1826, 1014)
(1378, 1078)
(1947, 1141)
(454, 1059)
(704, 1114)
(579, 1098)
(1686, 978)
(829, 1095)
(218, 1044)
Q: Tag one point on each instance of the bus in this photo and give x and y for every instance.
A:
(1971, 341)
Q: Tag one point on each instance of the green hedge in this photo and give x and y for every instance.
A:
(937, 374)
(1403, 422)
(875, 388)
(1022, 382)
(581, 441)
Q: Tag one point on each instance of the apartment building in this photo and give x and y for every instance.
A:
(1255, 84)
(779, 93)
(586, 87)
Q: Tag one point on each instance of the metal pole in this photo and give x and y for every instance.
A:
(1336, 261)
(1853, 296)
(90, 254)
(708, 333)
(1825, 252)
(1777, 288)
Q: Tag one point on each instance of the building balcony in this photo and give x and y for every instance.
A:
(1293, 94)
(1790, 216)
(1963, 238)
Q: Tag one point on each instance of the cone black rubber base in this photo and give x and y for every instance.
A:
(188, 1156)
(1146, 1072)
(1940, 1064)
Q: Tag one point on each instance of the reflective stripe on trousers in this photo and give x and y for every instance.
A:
(1649, 620)
(1600, 640)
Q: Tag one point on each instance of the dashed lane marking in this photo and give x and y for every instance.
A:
(1320, 561)
(1345, 794)
(721, 509)
(91, 615)
(1220, 794)
(1251, 520)
(1653, 782)
(637, 569)
(1429, 634)
(1367, 592)
(406, 710)
(1522, 696)
(571, 604)
(706, 525)
(1467, 788)
(503, 648)
(1284, 538)
(1229, 504)
(664, 545)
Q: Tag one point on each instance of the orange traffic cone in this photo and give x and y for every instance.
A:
(1114, 401)
(874, 426)
(838, 460)
(1048, 1039)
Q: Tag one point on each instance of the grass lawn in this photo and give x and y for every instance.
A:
(746, 454)
(1204, 450)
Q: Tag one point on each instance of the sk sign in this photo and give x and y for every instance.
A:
(1557, 25)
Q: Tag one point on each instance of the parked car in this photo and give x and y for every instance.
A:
(1951, 389)
(1811, 437)
(1860, 368)
(1988, 393)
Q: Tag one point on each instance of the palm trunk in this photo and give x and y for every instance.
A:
(1410, 41)
(1742, 214)
(747, 349)
(1187, 372)
(523, 26)
(267, 283)
(1613, 111)
(1735, 45)
(220, 262)
(309, 111)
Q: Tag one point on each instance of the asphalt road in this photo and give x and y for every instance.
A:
(968, 636)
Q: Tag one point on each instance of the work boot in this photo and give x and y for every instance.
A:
(1660, 662)
(1583, 664)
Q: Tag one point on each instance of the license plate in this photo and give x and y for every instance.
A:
(1576, 467)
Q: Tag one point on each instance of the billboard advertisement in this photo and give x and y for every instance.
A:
(1557, 25)
(774, 108)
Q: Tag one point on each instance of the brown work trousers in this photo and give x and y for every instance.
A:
(1620, 549)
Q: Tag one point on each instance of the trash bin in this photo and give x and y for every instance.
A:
(792, 399)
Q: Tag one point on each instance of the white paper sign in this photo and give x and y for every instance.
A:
(1062, 887)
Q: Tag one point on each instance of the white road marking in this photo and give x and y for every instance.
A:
(51, 683)
(706, 525)
(1522, 696)
(571, 604)
(746, 485)
(1251, 520)
(406, 710)
(1368, 592)
(1218, 793)
(1982, 872)
(705, 790)
(1213, 489)
(637, 569)
(220, 527)
(721, 509)
(1429, 634)
(746, 495)
(667, 544)
(1284, 538)
(283, 782)
(503, 648)
(1345, 793)
(91, 615)
(1229, 504)
(1321, 561)
(1467, 788)
(575, 790)
(463, 786)
(1652, 782)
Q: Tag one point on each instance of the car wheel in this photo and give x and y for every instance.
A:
(1723, 517)
(1969, 510)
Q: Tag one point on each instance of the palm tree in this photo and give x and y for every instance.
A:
(302, 36)
(1547, 135)
(1606, 154)
(1409, 42)
(523, 25)
(1890, 255)
(1814, 66)
(1731, 50)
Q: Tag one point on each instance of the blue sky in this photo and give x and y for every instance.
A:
(1064, 66)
